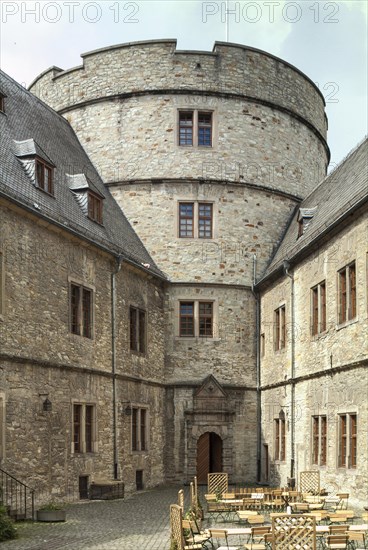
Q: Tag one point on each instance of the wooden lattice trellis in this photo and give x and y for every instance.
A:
(181, 499)
(176, 518)
(309, 481)
(218, 483)
(293, 532)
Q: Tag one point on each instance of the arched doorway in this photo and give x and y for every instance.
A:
(209, 455)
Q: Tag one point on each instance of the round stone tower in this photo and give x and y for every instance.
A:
(207, 153)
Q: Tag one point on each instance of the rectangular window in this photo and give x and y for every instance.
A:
(94, 207)
(195, 128)
(84, 428)
(205, 129)
(353, 440)
(280, 328)
(195, 220)
(280, 439)
(186, 219)
(2, 104)
(347, 293)
(319, 440)
(81, 310)
(137, 329)
(347, 457)
(139, 429)
(186, 319)
(196, 319)
(44, 176)
(186, 128)
(319, 308)
(204, 221)
(205, 319)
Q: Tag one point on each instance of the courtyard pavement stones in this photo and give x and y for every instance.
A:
(139, 522)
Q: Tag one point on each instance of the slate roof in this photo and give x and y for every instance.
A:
(337, 196)
(31, 127)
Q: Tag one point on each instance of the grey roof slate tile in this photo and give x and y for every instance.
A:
(342, 191)
(28, 127)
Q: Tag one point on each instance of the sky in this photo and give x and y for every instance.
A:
(326, 40)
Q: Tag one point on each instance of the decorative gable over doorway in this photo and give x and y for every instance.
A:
(209, 428)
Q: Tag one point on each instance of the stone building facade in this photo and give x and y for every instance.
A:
(210, 155)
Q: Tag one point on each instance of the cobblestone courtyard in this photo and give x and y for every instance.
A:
(139, 522)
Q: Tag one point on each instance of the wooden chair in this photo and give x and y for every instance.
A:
(259, 539)
(228, 496)
(338, 528)
(256, 519)
(191, 537)
(221, 534)
(338, 518)
(357, 539)
(343, 504)
(337, 542)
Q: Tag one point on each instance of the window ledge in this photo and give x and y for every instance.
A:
(196, 339)
(347, 323)
(318, 335)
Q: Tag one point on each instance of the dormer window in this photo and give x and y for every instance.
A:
(87, 196)
(305, 217)
(44, 176)
(94, 207)
(37, 164)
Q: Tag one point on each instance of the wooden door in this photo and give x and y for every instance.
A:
(215, 453)
(209, 455)
(203, 457)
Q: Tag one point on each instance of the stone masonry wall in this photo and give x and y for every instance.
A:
(136, 138)
(243, 227)
(41, 358)
(154, 65)
(230, 355)
(328, 392)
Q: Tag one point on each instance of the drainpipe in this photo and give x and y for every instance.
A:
(258, 369)
(286, 266)
(119, 261)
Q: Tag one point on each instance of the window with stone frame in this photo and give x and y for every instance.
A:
(279, 328)
(195, 220)
(319, 440)
(137, 330)
(139, 429)
(195, 128)
(81, 310)
(84, 428)
(2, 103)
(318, 293)
(347, 293)
(279, 439)
(44, 174)
(196, 319)
(347, 440)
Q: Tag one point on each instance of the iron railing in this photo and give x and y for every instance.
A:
(17, 497)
